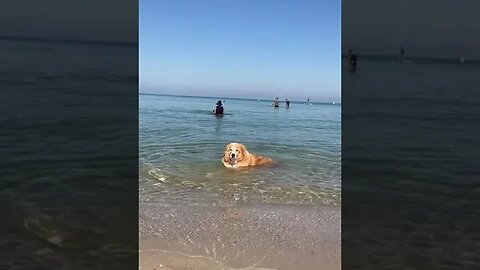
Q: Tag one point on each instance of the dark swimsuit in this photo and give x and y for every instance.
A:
(219, 110)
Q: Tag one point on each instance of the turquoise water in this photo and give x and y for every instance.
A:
(181, 145)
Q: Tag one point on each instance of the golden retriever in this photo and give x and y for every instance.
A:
(236, 156)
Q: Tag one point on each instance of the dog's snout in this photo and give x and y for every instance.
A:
(233, 155)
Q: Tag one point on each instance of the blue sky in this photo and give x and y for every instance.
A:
(235, 48)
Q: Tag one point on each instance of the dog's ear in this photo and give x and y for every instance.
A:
(225, 155)
(243, 149)
(225, 150)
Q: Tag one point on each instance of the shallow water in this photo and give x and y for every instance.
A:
(251, 237)
(59, 200)
(181, 145)
(410, 135)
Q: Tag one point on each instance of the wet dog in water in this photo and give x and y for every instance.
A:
(236, 156)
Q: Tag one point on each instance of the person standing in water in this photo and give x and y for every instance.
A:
(218, 110)
(353, 59)
(276, 103)
(287, 103)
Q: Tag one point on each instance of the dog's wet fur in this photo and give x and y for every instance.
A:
(236, 155)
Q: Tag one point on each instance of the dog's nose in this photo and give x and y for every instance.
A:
(233, 155)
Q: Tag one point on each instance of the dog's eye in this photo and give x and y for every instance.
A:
(236, 150)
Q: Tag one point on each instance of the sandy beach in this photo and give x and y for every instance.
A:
(239, 237)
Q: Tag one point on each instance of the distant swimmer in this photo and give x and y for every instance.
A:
(276, 103)
(287, 103)
(353, 59)
(218, 110)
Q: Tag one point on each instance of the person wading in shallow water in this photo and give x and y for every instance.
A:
(353, 59)
(218, 110)
(276, 103)
(287, 103)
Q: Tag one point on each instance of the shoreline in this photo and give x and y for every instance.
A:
(239, 237)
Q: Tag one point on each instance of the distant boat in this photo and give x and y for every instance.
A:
(462, 60)
(333, 103)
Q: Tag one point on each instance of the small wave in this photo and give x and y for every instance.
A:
(149, 259)
(157, 175)
(44, 227)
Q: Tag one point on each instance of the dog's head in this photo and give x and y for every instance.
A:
(234, 153)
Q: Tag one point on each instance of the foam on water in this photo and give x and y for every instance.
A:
(166, 260)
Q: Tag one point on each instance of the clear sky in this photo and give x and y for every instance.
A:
(241, 48)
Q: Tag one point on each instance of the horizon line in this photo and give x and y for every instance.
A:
(73, 41)
(239, 98)
(345, 54)
(136, 44)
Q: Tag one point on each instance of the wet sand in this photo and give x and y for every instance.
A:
(239, 237)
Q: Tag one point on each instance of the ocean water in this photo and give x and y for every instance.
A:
(66, 108)
(181, 145)
(410, 165)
